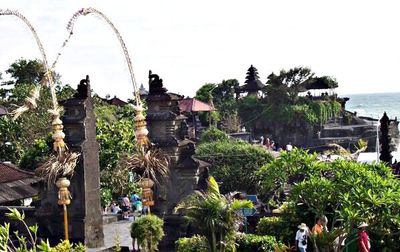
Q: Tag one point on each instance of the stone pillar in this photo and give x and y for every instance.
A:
(385, 151)
(168, 130)
(85, 215)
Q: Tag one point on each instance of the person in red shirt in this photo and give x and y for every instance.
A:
(363, 238)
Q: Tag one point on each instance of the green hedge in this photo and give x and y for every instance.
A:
(213, 134)
(244, 243)
(252, 242)
(195, 243)
(234, 163)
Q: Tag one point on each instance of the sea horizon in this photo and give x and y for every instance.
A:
(374, 104)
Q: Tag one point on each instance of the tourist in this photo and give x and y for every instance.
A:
(134, 199)
(115, 209)
(363, 238)
(350, 243)
(126, 205)
(262, 140)
(301, 237)
(318, 228)
(272, 146)
(289, 147)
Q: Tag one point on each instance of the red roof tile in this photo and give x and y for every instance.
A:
(194, 105)
(9, 172)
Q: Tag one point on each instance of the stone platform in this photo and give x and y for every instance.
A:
(112, 230)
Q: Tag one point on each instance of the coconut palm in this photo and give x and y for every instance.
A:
(214, 215)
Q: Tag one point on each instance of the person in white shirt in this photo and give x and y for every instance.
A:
(301, 237)
(289, 147)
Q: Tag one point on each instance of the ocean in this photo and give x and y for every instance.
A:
(374, 105)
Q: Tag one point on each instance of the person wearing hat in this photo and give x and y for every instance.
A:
(363, 238)
(301, 237)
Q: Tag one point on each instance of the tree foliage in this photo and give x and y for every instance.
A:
(234, 163)
(115, 132)
(32, 126)
(345, 191)
(222, 96)
(213, 134)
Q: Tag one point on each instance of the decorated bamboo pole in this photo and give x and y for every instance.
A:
(64, 163)
(141, 131)
(64, 199)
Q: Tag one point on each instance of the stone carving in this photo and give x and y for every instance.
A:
(202, 185)
(83, 88)
(156, 84)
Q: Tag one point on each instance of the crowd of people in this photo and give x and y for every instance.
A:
(269, 144)
(356, 241)
(127, 206)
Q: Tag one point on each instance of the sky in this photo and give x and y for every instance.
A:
(190, 43)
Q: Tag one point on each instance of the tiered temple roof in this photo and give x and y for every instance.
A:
(253, 83)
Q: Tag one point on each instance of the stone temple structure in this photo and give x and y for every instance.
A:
(168, 131)
(85, 216)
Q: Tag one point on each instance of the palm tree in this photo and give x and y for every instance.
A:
(214, 215)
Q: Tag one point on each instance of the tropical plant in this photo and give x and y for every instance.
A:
(195, 243)
(214, 216)
(27, 242)
(148, 230)
(345, 191)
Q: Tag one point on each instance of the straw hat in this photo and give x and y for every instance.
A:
(302, 226)
(363, 224)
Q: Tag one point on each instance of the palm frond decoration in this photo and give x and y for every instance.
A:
(55, 167)
(30, 103)
(152, 164)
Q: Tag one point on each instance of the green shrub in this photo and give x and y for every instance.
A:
(213, 134)
(148, 230)
(234, 163)
(341, 190)
(252, 242)
(195, 243)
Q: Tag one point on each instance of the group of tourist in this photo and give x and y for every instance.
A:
(129, 205)
(269, 144)
(356, 241)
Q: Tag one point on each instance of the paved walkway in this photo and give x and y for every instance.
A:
(118, 229)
